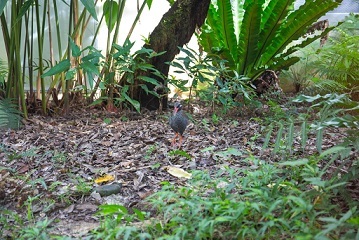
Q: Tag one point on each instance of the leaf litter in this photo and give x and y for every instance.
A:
(61, 158)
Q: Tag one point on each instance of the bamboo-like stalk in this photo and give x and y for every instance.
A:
(103, 71)
(5, 32)
(30, 55)
(50, 40)
(67, 84)
(40, 46)
(19, 89)
(139, 12)
(118, 22)
(109, 62)
(57, 28)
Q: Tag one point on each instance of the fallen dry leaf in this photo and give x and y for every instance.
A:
(178, 172)
(104, 178)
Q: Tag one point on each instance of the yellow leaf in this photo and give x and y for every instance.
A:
(104, 178)
(178, 172)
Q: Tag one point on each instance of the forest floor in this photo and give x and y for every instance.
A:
(55, 160)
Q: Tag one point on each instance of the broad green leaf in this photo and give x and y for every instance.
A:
(110, 9)
(110, 209)
(133, 102)
(75, 50)
(290, 136)
(92, 56)
(177, 65)
(229, 152)
(2, 6)
(278, 141)
(332, 150)
(294, 163)
(149, 3)
(317, 181)
(90, 7)
(97, 102)
(139, 214)
(319, 139)
(180, 153)
(89, 67)
(70, 74)
(208, 149)
(188, 53)
(299, 201)
(335, 185)
(24, 8)
(268, 135)
(148, 79)
(62, 66)
(304, 134)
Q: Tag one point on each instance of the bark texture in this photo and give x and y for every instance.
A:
(175, 29)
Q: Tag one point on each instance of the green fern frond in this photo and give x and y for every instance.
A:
(10, 117)
(323, 86)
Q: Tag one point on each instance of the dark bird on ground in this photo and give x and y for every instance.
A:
(178, 122)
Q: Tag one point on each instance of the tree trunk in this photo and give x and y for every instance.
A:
(175, 29)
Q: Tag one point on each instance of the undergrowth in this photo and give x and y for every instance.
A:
(284, 200)
(289, 197)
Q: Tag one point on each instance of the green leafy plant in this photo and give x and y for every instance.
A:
(211, 79)
(13, 225)
(304, 75)
(125, 66)
(40, 230)
(257, 35)
(338, 60)
(194, 66)
(271, 204)
(150, 150)
(330, 113)
(24, 19)
(117, 222)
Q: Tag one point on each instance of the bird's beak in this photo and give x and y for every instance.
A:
(175, 110)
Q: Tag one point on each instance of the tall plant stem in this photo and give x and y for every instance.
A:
(58, 34)
(50, 40)
(139, 12)
(16, 30)
(67, 84)
(40, 46)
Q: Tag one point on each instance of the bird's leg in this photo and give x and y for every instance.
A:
(174, 139)
(180, 141)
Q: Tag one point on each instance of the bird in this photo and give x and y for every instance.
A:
(178, 122)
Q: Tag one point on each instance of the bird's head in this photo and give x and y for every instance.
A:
(177, 107)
